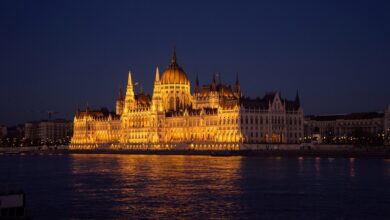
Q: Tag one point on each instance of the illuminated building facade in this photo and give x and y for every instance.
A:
(172, 118)
(353, 128)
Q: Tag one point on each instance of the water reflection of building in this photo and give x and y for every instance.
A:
(215, 116)
(156, 177)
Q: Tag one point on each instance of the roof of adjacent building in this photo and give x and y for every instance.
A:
(222, 89)
(264, 103)
(351, 116)
(102, 113)
(192, 112)
(143, 99)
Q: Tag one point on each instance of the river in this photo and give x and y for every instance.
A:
(108, 186)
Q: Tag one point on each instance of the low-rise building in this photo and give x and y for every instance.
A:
(12, 136)
(3, 131)
(353, 128)
(48, 132)
(387, 120)
(387, 126)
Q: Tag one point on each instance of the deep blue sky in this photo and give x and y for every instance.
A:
(55, 55)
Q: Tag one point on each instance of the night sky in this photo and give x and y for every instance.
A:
(55, 55)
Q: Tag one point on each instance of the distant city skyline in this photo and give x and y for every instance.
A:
(60, 55)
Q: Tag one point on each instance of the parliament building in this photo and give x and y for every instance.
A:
(215, 116)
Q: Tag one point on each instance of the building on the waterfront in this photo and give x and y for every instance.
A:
(3, 131)
(15, 132)
(215, 116)
(387, 126)
(271, 119)
(48, 132)
(387, 120)
(13, 136)
(353, 128)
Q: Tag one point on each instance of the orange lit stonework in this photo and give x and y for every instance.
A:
(172, 118)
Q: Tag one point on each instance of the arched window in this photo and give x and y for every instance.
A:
(171, 103)
(177, 102)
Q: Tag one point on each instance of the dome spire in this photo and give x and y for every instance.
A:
(174, 59)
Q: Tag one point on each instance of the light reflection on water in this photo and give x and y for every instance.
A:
(151, 186)
(165, 185)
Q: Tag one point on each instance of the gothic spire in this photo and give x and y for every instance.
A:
(120, 95)
(157, 78)
(129, 80)
(87, 108)
(197, 84)
(214, 83)
(129, 89)
(238, 87)
(297, 99)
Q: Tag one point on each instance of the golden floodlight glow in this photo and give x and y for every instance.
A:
(213, 118)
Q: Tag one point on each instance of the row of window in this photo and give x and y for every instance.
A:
(260, 134)
(274, 120)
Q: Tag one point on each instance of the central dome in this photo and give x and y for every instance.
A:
(174, 74)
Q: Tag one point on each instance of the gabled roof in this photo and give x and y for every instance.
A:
(263, 103)
(102, 114)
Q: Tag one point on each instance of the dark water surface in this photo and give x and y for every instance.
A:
(152, 186)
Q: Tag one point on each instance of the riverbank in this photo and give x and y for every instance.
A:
(375, 152)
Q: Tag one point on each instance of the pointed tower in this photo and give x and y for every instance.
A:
(197, 84)
(238, 87)
(119, 103)
(129, 98)
(87, 110)
(157, 77)
(297, 99)
(156, 99)
(214, 84)
(78, 110)
(120, 95)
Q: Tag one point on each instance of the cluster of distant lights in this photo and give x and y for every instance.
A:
(15, 141)
(344, 137)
